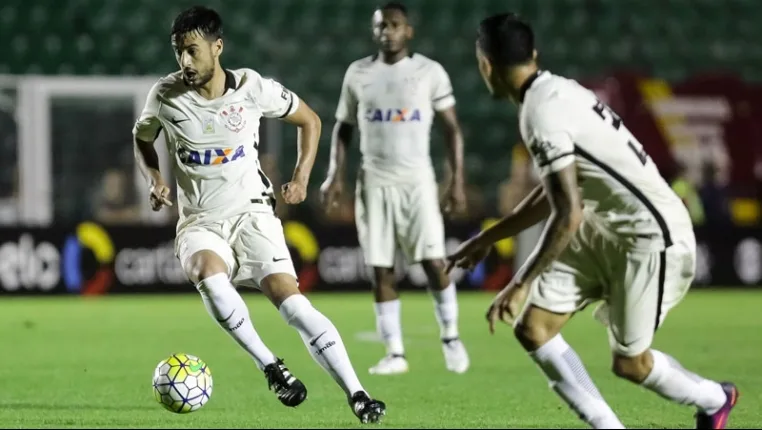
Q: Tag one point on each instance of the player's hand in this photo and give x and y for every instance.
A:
(455, 201)
(507, 304)
(469, 254)
(294, 192)
(331, 193)
(159, 196)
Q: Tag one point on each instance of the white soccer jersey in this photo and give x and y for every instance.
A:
(393, 106)
(214, 143)
(562, 122)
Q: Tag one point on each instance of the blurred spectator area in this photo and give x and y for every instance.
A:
(308, 44)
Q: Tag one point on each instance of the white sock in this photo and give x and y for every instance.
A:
(227, 307)
(671, 381)
(322, 340)
(446, 311)
(389, 326)
(569, 379)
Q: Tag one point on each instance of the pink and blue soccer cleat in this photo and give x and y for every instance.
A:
(719, 419)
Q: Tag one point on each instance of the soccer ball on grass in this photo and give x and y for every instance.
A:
(182, 383)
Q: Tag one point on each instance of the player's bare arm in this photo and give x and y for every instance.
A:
(309, 127)
(519, 180)
(455, 202)
(332, 188)
(148, 161)
(565, 218)
(534, 208)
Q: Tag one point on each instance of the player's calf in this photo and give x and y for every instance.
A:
(388, 322)
(663, 375)
(538, 331)
(229, 310)
(318, 333)
(444, 294)
(634, 369)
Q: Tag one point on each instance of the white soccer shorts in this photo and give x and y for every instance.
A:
(252, 245)
(405, 216)
(638, 288)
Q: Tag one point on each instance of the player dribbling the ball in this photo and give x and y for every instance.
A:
(228, 234)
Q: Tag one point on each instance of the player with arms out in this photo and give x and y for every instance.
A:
(615, 232)
(228, 234)
(393, 97)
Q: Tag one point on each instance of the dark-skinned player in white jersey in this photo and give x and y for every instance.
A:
(392, 98)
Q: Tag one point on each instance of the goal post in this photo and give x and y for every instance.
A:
(69, 129)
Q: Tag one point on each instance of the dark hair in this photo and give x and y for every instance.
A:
(505, 39)
(203, 20)
(394, 5)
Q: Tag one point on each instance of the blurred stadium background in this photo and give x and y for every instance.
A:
(74, 215)
(683, 74)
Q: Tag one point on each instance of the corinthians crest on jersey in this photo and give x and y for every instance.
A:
(232, 118)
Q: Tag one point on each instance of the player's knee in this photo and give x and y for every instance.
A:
(384, 284)
(433, 266)
(635, 368)
(532, 335)
(537, 326)
(383, 278)
(205, 264)
(278, 287)
(434, 270)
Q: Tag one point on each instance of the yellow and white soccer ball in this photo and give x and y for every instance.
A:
(182, 383)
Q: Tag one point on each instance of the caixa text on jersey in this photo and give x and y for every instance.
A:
(392, 115)
(208, 157)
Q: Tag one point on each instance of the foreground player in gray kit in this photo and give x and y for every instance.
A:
(615, 232)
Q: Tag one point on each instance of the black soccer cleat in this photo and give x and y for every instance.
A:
(290, 391)
(366, 409)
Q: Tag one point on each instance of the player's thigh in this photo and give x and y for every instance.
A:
(419, 222)
(260, 249)
(648, 285)
(196, 247)
(375, 225)
(572, 281)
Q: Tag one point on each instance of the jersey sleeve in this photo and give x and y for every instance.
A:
(551, 141)
(275, 100)
(346, 111)
(148, 125)
(442, 96)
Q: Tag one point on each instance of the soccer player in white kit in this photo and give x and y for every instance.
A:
(393, 97)
(615, 232)
(228, 234)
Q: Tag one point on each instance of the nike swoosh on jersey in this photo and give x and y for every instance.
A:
(176, 121)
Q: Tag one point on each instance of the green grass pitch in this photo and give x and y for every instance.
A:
(80, 362)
